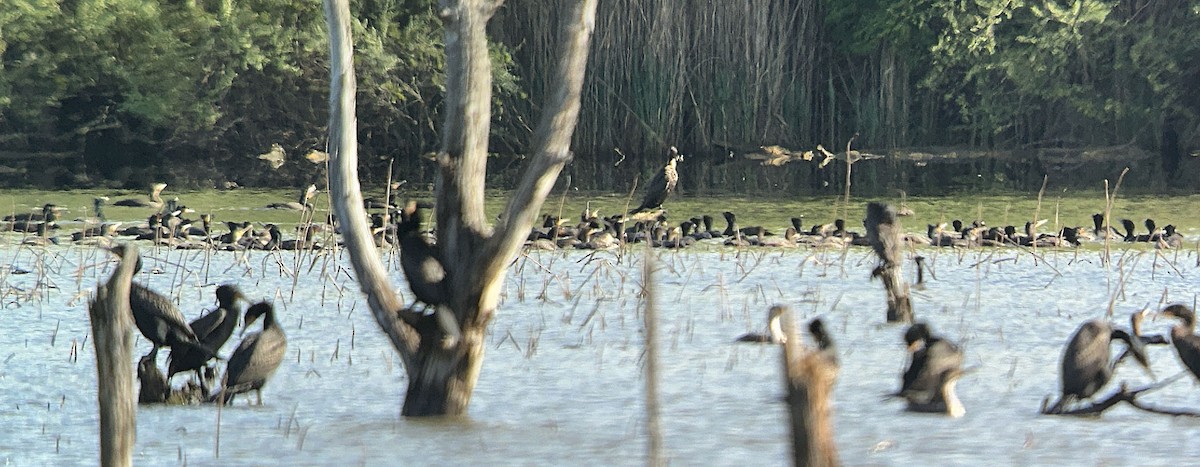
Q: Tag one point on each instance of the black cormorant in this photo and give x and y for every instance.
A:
(663, 183)
(1187, 344)
(1087, 363)
(775, 333)
(158, 319)
(420, 260)
(936, 364)
(212, 329)
(154, 201)
(257, 357)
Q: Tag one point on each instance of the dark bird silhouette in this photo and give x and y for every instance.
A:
(774, 334)
(928, 383)
(420, 260)
(158, 319)
(663, 183)
(257, 357)
(824, 341)
(48, 219)
(212, 330)
(154, 201)
(1087, 363)
(302, 202)
(154, 387)
(1187, 344)
(39, 216)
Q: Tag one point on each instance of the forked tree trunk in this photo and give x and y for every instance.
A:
(884, 234)
(443, 352)
(112, 328)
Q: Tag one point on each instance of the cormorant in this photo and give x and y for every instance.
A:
(420, 260)
(936, 364)
(158, 319)
(774, 327)
(1187, 344)
(824, 341)
(257, 357)
(1087, 363)
(663, 183)
(155, 200)
(301, 204)
(212, 330)
(41, 215)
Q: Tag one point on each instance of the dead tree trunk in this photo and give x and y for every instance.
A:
(112, 325)
(884, 232)
(810, 375)
(442, 353)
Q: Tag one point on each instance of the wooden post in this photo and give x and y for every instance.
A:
(113, 337)
(809, 378)
(884, 233)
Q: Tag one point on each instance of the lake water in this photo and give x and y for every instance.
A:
(562, 379)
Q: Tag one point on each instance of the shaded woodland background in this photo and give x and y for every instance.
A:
(125, 92)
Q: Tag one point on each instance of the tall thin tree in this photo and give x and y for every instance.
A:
(443, 352)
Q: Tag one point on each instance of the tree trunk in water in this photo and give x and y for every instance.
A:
(443, 352)
(112, 328)
(810, 376)
(884, 234)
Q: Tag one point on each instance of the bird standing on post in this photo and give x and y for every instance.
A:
(663, 183)
(212, 329)
(158, 319)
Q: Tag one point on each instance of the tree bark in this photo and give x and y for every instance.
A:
(809, 379)
(883, 232)
(112, 324)
(443, 352)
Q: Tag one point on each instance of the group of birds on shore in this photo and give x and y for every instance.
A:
(935, 363)
(193, 345)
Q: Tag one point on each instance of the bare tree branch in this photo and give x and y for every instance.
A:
(345, 192)
(552, 140)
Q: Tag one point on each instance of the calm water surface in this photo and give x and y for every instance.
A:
(562, 385)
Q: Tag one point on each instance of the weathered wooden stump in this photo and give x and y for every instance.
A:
(112, 331)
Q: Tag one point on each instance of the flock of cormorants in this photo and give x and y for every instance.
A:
(935, 363)
(194, 345)
(927, 384)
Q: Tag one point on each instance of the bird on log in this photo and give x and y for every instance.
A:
(662, 185)
(1087, 363)
(420, 260)
(212, 329)
(257, 357)
(158, 319)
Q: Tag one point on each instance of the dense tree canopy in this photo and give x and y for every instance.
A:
(191, 91)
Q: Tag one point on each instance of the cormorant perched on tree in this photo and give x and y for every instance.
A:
(257, 357)
(1087, 363)
(212, 329)
(663, 183)
(420, 260)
